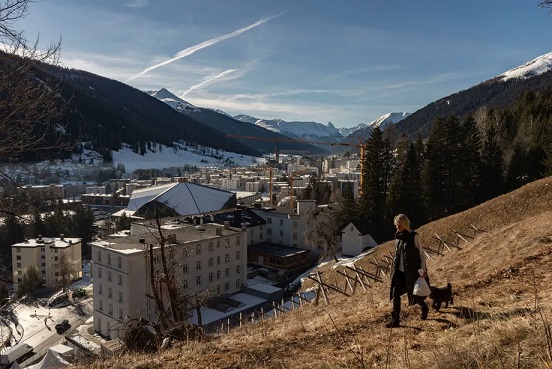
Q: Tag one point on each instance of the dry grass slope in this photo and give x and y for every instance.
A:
(500, 319)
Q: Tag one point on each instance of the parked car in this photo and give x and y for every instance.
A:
(63, 326)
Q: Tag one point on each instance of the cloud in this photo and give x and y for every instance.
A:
(208, 81)
(192, 49)
(137, 3)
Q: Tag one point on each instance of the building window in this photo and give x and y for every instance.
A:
(171, 254)
(281, 232)
(198, 280)
(211, 262)
(211, 247)
(198, 265)
(185, 268)
(294, 225)
(108, 258)
(218, 260)
(281, 222)
(99, 289)
(226, 272)
(55, 258)
(218, 244)
(227, 258)
(43, 272)
(119, 262)
(110, 309)
(237, 255)
(120, 280)
(42, 256)
(269, 231)
(99, 256)
(261, 236)
(210, 277)
(19, 265)
(99, 272)
(42, 249)
(198, 249)
(18, 257)
(295, 236)
(185, 284)
(43, 264)
(109, 276)
(218, 274)
(237, 241)
(109, 293)
(226, 287)
(269, 220)
(120, 313)
(55, 251)
(237, 269)
(238, 283)
(100, 305)
(120, 297)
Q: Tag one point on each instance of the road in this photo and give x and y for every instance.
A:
(39, 323)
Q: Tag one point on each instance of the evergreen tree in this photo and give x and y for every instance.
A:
(405, 190)
(435, 169)
(492, 167)
(377, 168)
(469, 163)
(30, 282)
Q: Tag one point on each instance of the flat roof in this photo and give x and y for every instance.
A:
(276, 250)
(50, 242)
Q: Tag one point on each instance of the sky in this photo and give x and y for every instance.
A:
(345, 62)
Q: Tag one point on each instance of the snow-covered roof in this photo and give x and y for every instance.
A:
(50, 361)
(184, 198)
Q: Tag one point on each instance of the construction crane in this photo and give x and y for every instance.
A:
(360, 145)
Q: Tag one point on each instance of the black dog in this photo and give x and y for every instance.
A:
(440, 296)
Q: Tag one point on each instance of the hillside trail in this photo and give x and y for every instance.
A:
(502, 306)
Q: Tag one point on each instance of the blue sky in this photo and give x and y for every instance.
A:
(345, 62)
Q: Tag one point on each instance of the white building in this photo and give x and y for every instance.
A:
(46, 254)
(355, 238)
(203, 257)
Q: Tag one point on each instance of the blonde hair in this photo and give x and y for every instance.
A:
(403, 220)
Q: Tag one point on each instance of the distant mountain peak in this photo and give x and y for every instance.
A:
(172, 100)
(535, 67)
(388, 119)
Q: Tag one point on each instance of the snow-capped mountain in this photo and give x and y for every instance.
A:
(535, 67)
(383, 122)
(308, 131)
(173, 101)
(387, 120)
(347, 131)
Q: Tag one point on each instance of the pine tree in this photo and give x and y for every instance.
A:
(377, 168)
(492, 167)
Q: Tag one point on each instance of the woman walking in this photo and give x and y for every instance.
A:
(409, 263)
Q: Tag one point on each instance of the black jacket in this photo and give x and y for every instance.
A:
(405, 246)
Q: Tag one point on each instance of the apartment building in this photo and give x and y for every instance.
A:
(203, 257)
(284, 225)
(46, 254)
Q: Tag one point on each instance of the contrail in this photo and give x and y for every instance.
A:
(201, 84)
(192, 49)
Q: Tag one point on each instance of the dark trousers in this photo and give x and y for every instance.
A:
(399, 290)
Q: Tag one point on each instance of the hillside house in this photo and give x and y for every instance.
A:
(355, 238)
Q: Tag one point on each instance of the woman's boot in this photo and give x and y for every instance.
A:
(425, 310)
(394, 322)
